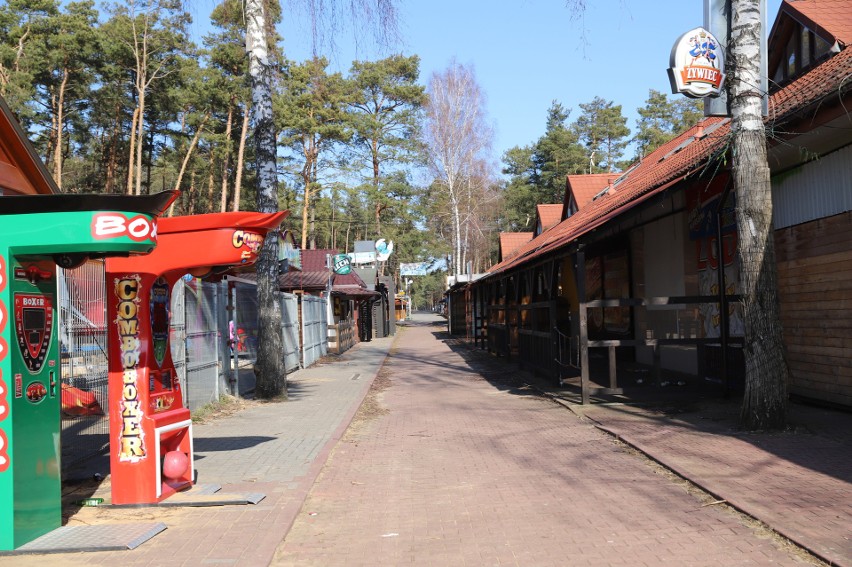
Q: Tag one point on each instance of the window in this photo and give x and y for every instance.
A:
(806, 47)
(791, 55)
(821, 48)
(802, 49)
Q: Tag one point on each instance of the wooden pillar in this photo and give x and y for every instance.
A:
(612, 369)
(584, 335)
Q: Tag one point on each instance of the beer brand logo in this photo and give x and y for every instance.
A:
(697, 64)
(341, 264)
(115, 225)
(131, 446)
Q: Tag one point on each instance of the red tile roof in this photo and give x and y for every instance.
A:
(549, 215)
(512, 241)
(685, 155)
(315, 273)
(585, 187)
(833, 17)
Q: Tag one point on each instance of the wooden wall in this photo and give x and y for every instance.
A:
(815, 288)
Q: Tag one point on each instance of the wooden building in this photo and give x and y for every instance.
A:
(345, 292)
(642, 269)
(21, 170)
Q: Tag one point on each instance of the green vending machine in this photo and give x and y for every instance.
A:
(37, 233)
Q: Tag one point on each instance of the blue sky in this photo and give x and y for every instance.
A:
(526, 53)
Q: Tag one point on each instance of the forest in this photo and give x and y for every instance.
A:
(119, 98)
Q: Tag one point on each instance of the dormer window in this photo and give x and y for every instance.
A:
(802, 49)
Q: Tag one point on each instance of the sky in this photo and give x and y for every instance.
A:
(528, 53)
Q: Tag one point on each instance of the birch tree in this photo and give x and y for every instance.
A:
(458, 138)
(271, 375)
(272, 379)
(764, 403)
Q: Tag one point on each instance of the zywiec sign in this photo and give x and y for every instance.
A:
(341, 264)
(697, 65)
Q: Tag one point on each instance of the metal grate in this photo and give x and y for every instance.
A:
(314, 329)
(201, 301)
(83, 353)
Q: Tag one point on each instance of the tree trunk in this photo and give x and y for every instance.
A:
(223, 204)
(374, 149)
(238, 175)
(112, 152)
(271, 375)
(765, 398)
(189, 151)
(210, 185)
(456, 237)
(306, 205)
(192, 195)
(60, 119)
(140, 130)
(130, 168)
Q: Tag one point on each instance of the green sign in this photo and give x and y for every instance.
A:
(341, 264)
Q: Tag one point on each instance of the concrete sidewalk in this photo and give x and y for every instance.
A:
(275, 448)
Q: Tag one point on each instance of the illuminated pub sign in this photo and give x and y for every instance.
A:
(697, 65)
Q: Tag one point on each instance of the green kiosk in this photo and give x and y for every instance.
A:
(37, 233)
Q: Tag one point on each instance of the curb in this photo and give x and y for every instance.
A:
(306, 483)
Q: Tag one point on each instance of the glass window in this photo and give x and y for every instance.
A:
(806, 47)
(791, 56)
(821, 47)
(779, 74)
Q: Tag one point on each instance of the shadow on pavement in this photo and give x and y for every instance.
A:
(817, 438)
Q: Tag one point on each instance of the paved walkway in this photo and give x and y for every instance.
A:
(462, 471)
(274, 448)
(449, 463)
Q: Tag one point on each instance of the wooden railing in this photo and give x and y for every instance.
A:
(341, 336)
(585, 344)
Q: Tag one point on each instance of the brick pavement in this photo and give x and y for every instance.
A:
(460, 471)
(799, 483)
(275, 448)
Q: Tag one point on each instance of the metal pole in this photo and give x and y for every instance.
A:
(723, 298)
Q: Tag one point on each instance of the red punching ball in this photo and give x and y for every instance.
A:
(175, 464)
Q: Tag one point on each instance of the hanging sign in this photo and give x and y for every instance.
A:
(697, 65)
(383, 249)
(341, 264)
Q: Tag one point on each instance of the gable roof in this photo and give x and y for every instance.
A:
(832, 18)
(583, 188)
(511, 242)
(547, 216)
(21, 170)
(315, 273)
